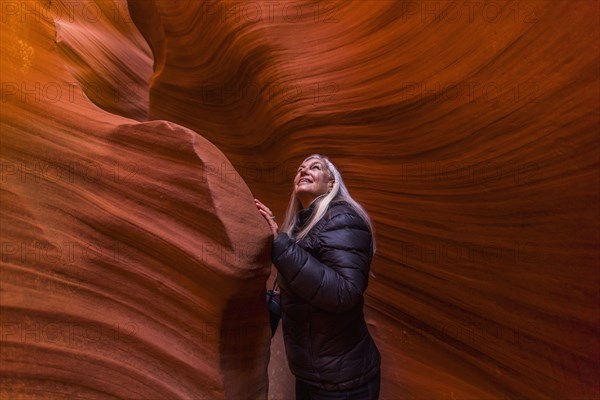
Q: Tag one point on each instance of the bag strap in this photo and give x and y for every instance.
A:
(272, 291)
(275, 282)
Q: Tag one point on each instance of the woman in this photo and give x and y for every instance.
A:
(322, 254)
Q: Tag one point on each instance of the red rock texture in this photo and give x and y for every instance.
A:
(125, 273)
(469, 131)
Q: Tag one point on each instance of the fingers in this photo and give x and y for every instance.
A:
(261, 206)
(271, 222)
(268, 216)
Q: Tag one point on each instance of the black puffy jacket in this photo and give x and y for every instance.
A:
(322, 279)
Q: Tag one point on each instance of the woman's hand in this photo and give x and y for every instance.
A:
(268, 215)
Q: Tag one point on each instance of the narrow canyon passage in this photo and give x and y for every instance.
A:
(135, 135)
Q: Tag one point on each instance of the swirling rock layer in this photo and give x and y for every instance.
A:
(124, 272)
(467, 129)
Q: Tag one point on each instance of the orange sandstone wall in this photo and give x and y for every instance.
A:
(469, 131)
(124, 272)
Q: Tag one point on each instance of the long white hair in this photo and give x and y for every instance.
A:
(337, 192)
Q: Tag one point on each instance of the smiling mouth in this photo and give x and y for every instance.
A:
(304, 180)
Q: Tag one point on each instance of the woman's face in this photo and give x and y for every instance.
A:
(311, 181)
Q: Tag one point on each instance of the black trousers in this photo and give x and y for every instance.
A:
(368, 391)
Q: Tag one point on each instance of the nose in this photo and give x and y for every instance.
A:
(303, 171)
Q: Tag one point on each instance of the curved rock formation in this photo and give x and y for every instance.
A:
(124, 272)
(467, 129)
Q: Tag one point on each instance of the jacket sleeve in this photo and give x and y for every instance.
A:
(335, 280)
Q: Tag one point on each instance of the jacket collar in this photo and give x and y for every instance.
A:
(305, 213)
